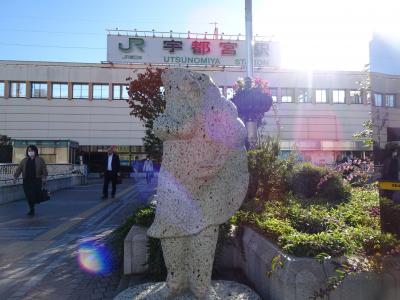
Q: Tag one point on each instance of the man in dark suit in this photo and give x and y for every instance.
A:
(111, 169)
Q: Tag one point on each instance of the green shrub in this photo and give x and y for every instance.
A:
(268, 174)
(333, 188)
(304, 229)
(318, 184)
(302, 244)
(305, 178)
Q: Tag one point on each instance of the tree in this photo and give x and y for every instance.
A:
(147, 102)
(366, 135)
(371, 135)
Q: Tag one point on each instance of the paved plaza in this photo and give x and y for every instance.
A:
(39, 255)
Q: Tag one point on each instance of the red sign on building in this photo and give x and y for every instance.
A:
(228, 48)
(201, 47)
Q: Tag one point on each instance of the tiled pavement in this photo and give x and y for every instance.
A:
(38, 256)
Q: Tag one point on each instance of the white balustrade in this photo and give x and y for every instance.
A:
(55, 171)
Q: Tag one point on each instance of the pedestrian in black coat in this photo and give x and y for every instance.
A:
(111, 168)
(34, 174)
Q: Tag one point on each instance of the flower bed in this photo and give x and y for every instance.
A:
(307, 229)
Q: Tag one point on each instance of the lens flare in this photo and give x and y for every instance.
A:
(93, 258)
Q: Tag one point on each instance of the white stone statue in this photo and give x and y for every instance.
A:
(203, 178)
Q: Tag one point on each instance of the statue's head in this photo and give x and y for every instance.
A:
(182, 85)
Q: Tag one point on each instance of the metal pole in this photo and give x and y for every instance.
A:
(249, 36)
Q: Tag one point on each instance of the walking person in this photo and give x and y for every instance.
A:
(135, 166)
(111, 169)
(34, 174)
(148, 169)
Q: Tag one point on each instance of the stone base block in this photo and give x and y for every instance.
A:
(221, 290)
(135, 251)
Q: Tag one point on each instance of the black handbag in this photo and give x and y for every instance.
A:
(44, 195)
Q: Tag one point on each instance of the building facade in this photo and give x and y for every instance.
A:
(316, 113)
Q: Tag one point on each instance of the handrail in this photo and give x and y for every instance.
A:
(188, 34)
(7, 171)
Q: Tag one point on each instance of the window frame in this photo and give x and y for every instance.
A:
(338, 96)
(18, 94)
(107, 85)
(2, 90)
(81, 84)
(274, 96)
(394, 100)
(121, 87)
(59, 83)
(307, 96)
(381, 96)
(316, 96)
(287, 95)
(39, 83)
(356, 95)
(231, 91)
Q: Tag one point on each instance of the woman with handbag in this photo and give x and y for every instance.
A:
(34, 174)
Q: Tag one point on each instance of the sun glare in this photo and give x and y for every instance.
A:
(322, 34)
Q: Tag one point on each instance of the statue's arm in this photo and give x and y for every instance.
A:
(165, 127)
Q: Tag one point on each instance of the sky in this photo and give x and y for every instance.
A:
(314, 34)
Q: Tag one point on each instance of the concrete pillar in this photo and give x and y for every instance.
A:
(49, 90)
(6, 89)
(28, 89)
(90, 87)
(70, 88)
(110, 91)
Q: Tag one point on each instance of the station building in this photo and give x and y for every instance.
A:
(316, 112)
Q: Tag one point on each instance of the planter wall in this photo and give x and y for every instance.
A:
(300, 277)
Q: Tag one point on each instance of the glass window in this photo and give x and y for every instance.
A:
(390, 100)
(338, 96)
(229, 93)
(287, 95)
(303, 97)
(100, 91)
(39, 90)
(1, 89)
(377, 99)
(120, 92)
(18, 90)
(274, 94)
(80, 91)
(355, 96)
(320, 96)
(59, 90)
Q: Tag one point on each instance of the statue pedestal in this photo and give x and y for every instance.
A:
(221, 290)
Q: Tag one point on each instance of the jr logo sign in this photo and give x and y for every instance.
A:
(132, 43)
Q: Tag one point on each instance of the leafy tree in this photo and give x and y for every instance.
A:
(366, 135)
(371, 135)
(147, 102)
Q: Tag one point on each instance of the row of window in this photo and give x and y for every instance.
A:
(120, 92)
(287, 95)
(60, 90)
(388, 100)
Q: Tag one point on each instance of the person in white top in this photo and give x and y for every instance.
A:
(148, 169)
